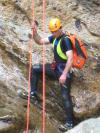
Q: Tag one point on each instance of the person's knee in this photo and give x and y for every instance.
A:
(34, 68)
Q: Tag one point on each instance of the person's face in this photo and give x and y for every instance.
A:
(56, 33)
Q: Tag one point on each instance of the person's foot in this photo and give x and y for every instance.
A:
(65, 127)
(33, 98)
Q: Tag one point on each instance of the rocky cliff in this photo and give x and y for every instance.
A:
(79, 17)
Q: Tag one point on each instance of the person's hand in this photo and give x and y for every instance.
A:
(62, 79)
(34, 25)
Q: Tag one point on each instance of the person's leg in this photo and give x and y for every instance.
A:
(65, 89)
(37, 70)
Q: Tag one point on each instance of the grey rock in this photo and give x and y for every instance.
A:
(88, 126)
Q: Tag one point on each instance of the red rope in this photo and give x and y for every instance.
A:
(43, 67)
(30, 63)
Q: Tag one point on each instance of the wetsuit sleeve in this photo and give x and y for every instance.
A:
(66, 45)
(51, 38)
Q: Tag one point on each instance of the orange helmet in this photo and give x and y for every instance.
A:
(54, 24)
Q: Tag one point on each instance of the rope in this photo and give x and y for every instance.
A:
(30, 63)
(43, 67)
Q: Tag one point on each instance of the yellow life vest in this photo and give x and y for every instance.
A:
(59, 50)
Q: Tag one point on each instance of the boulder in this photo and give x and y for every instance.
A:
(87, 126)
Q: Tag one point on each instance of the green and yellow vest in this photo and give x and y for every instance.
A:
(59, 50)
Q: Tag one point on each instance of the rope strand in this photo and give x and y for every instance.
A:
(44, 67)
(30, 63)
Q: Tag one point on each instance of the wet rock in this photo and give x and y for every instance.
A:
(6, 127)
(87, 126)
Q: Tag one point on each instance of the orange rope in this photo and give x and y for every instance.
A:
(43, 67)
(30, 63)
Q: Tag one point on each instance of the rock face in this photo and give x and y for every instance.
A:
(88, 126)
(79, 17)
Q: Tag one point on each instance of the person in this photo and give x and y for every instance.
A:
(60, 68)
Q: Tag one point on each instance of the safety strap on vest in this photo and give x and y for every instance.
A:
(59, 50)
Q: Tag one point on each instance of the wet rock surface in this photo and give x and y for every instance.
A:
(79, 17)
(88, 126)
